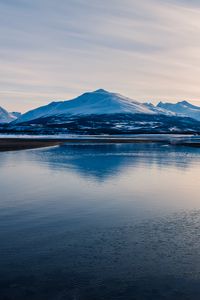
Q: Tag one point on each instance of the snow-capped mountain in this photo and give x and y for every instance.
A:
(103, 112)
(99, 102)
(6, 117)
(182, 108)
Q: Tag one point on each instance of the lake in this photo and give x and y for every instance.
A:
(100, 221)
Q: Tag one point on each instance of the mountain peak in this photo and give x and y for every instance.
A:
(184, 102)
(101, 91)
(187, 104)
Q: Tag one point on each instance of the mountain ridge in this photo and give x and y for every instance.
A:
(97, 102)
(182, 108)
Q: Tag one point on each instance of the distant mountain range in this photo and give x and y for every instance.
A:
(105, 112)
(182, 108)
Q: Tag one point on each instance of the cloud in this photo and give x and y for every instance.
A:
(148, 50)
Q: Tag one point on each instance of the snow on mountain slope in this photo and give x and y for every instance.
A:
(91, 103)
(159, 110)
(5, 116)
(182, 108)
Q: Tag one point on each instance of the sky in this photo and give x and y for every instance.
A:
(50, 50)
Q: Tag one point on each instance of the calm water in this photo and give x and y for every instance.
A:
(95, 222)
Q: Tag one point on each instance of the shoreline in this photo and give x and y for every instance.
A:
(15, 144)
(24, 143)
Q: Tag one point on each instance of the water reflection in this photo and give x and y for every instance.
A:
(101, 161)
(100, 222)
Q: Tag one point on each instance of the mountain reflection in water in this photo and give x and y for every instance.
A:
(101, 161)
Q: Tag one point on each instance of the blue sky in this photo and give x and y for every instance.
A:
(148, 50)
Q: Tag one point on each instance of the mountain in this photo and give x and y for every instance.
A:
(182, 108)
(93, 103)
(16, 114)
(6, 117)
(159, 110)
(102, 112)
